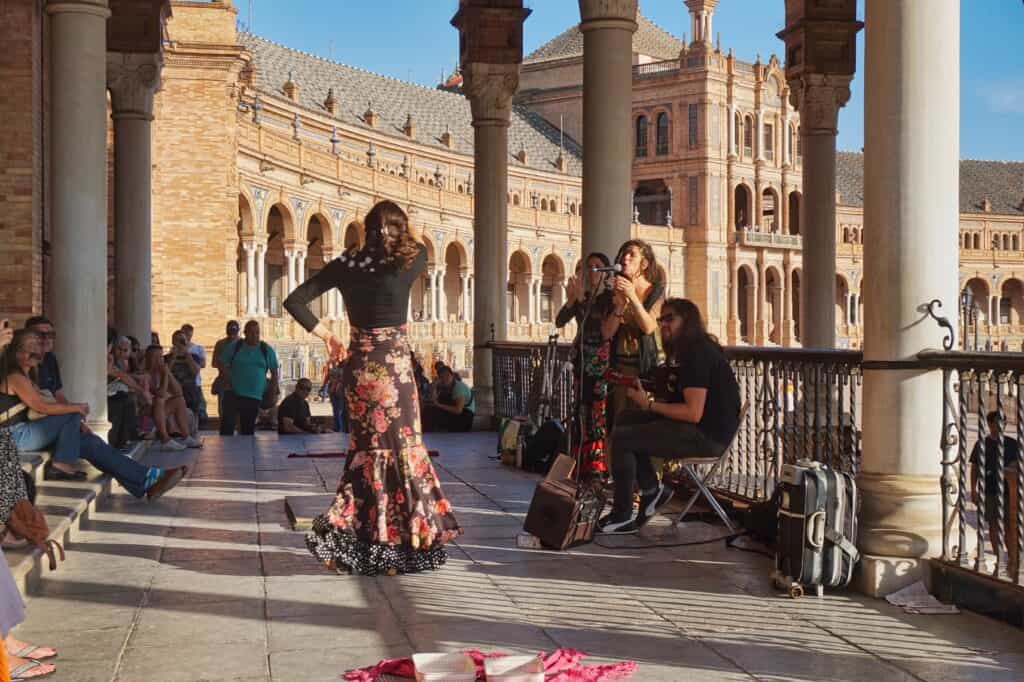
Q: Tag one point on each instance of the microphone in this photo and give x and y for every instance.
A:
(611, 268)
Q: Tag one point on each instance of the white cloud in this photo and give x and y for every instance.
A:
(1005, 97)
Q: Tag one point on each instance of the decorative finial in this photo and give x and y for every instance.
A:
(291, 90)
(331, 102)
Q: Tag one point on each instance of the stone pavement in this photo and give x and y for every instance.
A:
(211, 584)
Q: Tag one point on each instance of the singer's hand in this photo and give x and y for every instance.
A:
(624, 286)
(573, 290)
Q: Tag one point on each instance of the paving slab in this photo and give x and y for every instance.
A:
(212, 583)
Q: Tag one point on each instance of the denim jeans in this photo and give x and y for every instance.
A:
(640, 435)
(340, 410)
(63, 434)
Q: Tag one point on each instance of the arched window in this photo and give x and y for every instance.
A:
(543, 204)
(846, 235)
(553, 205)
(515, 199)
(977, 240)
(737, 132)
(1006, 242)
(769, 142)
(661, 135)
(748, 137)
(799, 146)
(641, 137)
(1016, 243)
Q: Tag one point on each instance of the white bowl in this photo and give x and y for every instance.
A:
(514, 669)
(454, 667)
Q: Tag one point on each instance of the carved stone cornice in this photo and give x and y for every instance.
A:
(819, 98)
(490, 88)
(597, 14)
(132, 80)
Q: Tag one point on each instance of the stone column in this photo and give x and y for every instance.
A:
(819, 98)
(132, 80)
(787, 308)
(734, 303)
(339, 303)
(608, 27)
(300, 267)
(78, 204)
(435, 296)
(911, 186)
(464, 303)
(261, 279)
(250, 278)
(292, 256)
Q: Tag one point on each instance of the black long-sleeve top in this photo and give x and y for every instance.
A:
(376, 293)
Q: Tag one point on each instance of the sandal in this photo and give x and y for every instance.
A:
(18, 674)
(31, 649)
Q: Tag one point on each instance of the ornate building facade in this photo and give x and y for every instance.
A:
(262, 155)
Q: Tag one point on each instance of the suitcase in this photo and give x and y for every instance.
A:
(563, 513)
(817, 528)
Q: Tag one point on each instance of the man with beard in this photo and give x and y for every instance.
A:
(694, 410)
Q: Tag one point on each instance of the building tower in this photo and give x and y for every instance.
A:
(701, 13)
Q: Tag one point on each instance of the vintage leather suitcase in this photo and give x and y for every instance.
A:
(563, 512)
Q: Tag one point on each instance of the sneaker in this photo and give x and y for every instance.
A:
(650, 503)
(170, 479)
(174, 445)
(614, 525)
(193, 442)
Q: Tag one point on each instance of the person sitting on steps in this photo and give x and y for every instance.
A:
(694, 411)
(61, 428)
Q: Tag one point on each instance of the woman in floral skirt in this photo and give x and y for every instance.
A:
(389, 514)
(590, 305)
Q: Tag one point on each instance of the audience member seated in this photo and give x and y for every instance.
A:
(293, 414)
(184, 367)
(123, 390)
(694, 411)
(60, 427)
(48, 374)
(454, 407)
(170, 414)
(420, 377)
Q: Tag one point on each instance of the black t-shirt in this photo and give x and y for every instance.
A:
(376, 294)
(296, 409)
(705, 366)
(1011, 453)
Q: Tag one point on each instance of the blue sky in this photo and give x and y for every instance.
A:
(413, 40)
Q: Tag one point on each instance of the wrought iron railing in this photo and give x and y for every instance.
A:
(655, 68)
(518, 368)
(983, 521)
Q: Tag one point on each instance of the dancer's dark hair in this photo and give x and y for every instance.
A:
(387, 235)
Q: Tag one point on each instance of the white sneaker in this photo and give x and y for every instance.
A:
(173, 445)
(193, 442)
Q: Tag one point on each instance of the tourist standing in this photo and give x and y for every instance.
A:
(199, 353)
(389, 515)
(230, 336)
(589, 302)
(249, 366)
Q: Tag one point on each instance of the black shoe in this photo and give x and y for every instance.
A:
(617, 525)
(52, 473)
(650, 503)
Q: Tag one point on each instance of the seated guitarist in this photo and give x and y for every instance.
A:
(694, 411)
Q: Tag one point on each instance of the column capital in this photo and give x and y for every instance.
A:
(819, 98)
(133, 78)
(99, 8)
(490, 88)
(597, 14)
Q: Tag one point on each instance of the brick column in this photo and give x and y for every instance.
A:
(78, 204)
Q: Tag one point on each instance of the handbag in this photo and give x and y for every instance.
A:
(564, 512)
(28, 523)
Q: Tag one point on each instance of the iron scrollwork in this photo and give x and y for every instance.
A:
(948, 340)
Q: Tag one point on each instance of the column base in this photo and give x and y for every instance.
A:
(485, 419)
(101, 427)
(900, 515)
(880, 576)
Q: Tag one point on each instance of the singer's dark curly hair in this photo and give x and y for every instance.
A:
(650, 273)
(387, 235)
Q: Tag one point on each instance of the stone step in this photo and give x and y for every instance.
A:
(65, 504)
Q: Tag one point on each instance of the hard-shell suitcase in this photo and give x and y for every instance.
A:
(563, 512)
(817, 528)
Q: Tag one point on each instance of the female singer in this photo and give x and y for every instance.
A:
(590, 431)
(638, 295)
(389, 515)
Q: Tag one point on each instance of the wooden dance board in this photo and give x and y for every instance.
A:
(302, 509)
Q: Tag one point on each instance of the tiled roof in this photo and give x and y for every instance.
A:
(650, 39)
(1002, 182)
(433, 110)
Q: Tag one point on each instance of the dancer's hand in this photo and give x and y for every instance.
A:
(335, 348)
(573, 290)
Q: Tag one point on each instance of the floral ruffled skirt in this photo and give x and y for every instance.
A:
(591, 434)
(389, 514)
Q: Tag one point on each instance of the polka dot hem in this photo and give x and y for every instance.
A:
(344, 551)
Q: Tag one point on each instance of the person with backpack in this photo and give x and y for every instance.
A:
(245, 366)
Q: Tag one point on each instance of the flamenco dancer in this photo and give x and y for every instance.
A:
(389, 515)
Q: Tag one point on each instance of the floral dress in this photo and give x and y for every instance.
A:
(389, 514)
